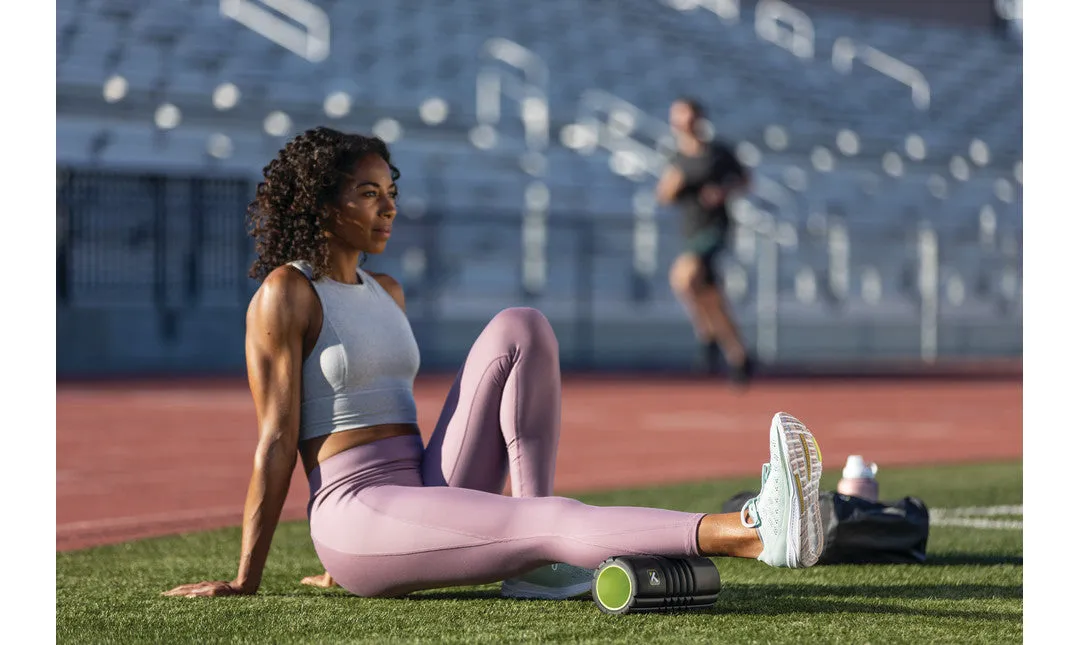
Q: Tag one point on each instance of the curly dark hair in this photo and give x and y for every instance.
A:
(291, 206)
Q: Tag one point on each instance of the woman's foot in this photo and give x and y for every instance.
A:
(324, 581)
(786, 512)
(550, 582)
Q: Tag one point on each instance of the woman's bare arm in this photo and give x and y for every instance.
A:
(277, 321)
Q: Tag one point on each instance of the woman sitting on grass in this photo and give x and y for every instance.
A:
(331, 360)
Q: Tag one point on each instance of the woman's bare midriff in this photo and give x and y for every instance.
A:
(317, 450)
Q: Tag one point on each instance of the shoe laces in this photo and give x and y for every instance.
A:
(750, 507)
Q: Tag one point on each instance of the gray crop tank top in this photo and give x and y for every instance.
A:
(361, 371)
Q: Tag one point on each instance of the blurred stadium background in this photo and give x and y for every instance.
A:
(885, 136)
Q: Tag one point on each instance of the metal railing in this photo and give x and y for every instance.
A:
(174, 249)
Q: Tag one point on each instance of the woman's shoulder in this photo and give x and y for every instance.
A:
(385, 280)
(391, 286)
(284, 290)
(288, 279)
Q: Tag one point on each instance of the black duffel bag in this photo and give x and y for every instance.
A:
(858, 531)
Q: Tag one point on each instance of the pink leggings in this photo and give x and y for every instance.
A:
(392, 517)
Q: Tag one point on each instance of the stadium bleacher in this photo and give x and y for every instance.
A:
(179, 88)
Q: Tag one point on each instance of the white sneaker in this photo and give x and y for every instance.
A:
(786, 512)
(551, 582)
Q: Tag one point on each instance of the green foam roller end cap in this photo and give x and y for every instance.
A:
(613, 588)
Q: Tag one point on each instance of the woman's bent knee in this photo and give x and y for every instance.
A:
(527, 328)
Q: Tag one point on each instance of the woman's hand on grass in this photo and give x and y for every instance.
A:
(209, 588)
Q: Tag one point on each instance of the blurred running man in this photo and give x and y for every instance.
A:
(703, 174)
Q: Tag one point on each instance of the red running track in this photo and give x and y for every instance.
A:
(140, 460)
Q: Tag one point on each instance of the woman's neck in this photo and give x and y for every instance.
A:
(342, 265)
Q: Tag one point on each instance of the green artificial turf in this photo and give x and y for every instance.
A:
(969, 590)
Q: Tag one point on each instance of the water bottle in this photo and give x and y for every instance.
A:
(859, 479)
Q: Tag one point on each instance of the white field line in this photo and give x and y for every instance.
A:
(977, 517)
